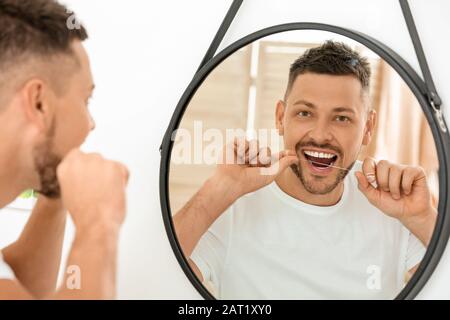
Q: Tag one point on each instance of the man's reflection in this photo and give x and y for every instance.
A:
(322, 224)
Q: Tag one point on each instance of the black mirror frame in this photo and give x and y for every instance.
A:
(416, 84)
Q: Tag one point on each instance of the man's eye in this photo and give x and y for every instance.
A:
(303, 114)
(342, 119)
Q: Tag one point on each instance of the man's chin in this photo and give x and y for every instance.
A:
(49, 184)
(319, 185)
(319, 189)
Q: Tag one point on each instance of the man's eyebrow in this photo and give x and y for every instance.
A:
(344, 109)
(313, 106)
(304, 102)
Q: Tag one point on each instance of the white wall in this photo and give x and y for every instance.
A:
(144, 53)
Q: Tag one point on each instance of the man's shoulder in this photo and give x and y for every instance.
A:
(255, 202)
(263, 193)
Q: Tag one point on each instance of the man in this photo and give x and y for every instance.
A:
(321, 225)
(45, 85)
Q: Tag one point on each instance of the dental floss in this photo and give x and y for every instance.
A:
(372, 183)
(327, 165)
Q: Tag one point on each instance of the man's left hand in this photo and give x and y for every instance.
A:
(400, 191)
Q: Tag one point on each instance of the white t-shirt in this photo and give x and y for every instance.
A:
(269, 245)
(6, 272)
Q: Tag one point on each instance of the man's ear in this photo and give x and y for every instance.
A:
(36, 104)
(279, 117)
(370, 127)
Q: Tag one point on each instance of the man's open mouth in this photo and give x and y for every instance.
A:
(320, 159)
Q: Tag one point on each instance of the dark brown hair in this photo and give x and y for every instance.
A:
(35, 28)
(332, 58)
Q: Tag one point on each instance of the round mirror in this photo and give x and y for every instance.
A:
(305, 164)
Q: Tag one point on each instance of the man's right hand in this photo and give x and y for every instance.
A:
(245, 167)
(93, 189)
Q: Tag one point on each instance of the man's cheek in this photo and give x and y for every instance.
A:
(70, 139)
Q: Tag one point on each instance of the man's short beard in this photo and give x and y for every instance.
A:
(310, 187)
(46, 163)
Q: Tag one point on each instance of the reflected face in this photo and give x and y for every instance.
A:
(324, 119)
(71, 124)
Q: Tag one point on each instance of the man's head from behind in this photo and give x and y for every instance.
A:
(326, 115)
(45, 83)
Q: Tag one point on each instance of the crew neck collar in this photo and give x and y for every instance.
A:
(310, 208)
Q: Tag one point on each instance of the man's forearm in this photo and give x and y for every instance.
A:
(93, 263)
(195, 218)
(94, 255)
(36, 256)
(423, 226)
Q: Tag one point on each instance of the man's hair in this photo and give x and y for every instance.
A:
(331, 58)
(33, 31)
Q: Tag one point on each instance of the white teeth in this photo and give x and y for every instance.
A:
(319, 154)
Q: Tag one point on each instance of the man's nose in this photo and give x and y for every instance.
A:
(321, 131)
(91, 122)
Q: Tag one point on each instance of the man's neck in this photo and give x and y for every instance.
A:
(14, 148)
(290, 184)
(8, 193)
(11, 181)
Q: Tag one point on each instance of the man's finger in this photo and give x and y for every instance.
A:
(263, 158)
(366, 188)
(287, 160)
(369, 169)
(412, 176)
(229, 153)
(382, 175)
(241, 146)
(395, 177)
(280, 161)
(251, 155)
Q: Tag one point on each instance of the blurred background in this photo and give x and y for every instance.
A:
(145, 53)
(242, 93)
